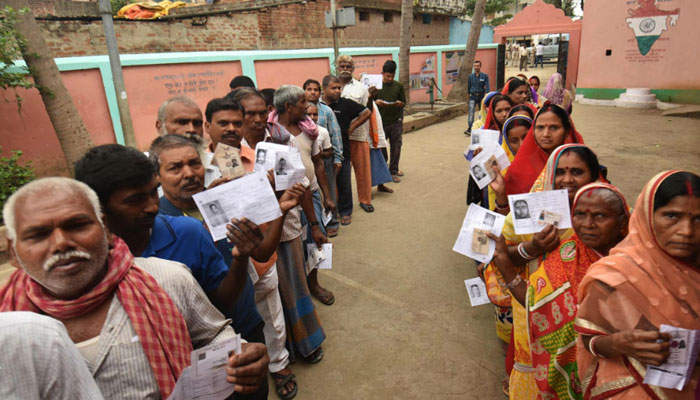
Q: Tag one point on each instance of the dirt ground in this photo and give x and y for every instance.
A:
(402, 326)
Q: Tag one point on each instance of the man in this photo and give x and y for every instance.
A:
(39, 361)
(391, 99)
(358, 140)
(327, 120)
(539, 55)
(350, 115)
(145, 314)
(180, 116)
(241, 81)
(224, 122)
(478, 86)
(523, 57)
(260, 287)
(479, 173)
(282, 167)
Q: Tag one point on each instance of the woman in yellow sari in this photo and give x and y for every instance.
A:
(571, 167)
(649, 279)
(483, 111)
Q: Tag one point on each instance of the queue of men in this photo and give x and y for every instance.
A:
(122, 257)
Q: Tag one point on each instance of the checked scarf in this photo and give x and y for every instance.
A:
(157, 321)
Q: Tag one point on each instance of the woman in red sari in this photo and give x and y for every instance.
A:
(651, 278)
(498, 112)
(552, 128)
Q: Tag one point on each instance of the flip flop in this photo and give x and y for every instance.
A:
(315, 357)
(367, 207)
(332, 232)
(324, 296)
(345, 220)
(396, 178)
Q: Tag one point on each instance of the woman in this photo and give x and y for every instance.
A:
(534, 82)
(552, 128)
(521, 109)
(562, 171)
(485, 103)
(599, 217)
(555, 92)
(654, 275)
(519, 92)
(377, 142)
(497, 112)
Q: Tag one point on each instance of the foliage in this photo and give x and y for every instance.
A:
(13, 175)
(493, 7)
(118, 4)
(11, 43)
(566, 5)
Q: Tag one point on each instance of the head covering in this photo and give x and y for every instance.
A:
(505, 92)
(531, 159)
(552, 301)
(157, 321)
(503, 137)
(655, 287)
(554, 91)
(601, 185)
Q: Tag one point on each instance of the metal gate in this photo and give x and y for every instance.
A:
(563, 59)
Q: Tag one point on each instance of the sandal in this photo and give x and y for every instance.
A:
(326, 297)
(367, 207)
(345, 220)
(505, 386)
(332, 232)
(396, 178)
(281, 382)
(315, 357)
(400, 173)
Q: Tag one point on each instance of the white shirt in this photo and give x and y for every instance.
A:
(539, 50)
(324, 138)
(358, 93)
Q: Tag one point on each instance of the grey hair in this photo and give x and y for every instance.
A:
(611, 199)
(51, 184)
(166, 142)
(177, 99)
(287, 94)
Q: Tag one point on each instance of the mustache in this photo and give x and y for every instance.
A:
(61, 257)
(190, 181)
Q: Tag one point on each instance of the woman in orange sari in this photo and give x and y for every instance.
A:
(599, 218)
(651, 278)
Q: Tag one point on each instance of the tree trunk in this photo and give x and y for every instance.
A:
(459, 90)
(66, 121)
(405, 46)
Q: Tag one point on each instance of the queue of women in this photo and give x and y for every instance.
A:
(580, 309)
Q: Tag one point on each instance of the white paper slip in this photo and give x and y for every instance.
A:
(265, 155)
(327, 216)
(679, 367)
(477, 292)
(533, 211)
(249, 196)
(205, 378)
(489, 162)
(289, 169)
(482, 138)
(321, 259)
(370, 80)
(478, 246)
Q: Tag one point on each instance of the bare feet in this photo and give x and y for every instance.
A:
(385, 189)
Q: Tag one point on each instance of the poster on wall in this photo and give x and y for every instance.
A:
(422, 79)
(453, 60)
(648, 22)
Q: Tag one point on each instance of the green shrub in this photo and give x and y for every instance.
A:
(12, 176)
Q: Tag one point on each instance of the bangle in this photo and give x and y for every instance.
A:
(591, 347)
(523, 253)
(515, 282)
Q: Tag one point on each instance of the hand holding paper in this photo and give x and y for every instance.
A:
(472, 240)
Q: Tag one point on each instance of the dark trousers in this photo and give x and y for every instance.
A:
(394, 133)
(255, 336)
(332, 183)
(345, 187)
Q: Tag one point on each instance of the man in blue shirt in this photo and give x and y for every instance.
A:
(478, 84)
(129, 200)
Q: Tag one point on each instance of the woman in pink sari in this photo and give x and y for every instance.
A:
(651, 278)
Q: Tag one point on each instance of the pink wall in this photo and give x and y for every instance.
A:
(275, 73)
(149, 85)
(30, 129)
(672, 62)
(370, 64)
(488, 65)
